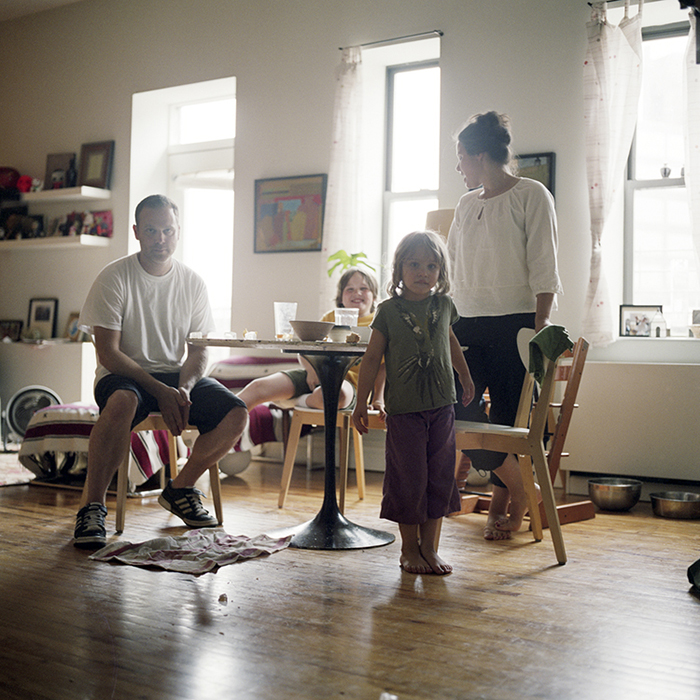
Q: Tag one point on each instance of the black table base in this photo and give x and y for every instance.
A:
(330, 529)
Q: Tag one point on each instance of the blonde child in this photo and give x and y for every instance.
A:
(412, 331)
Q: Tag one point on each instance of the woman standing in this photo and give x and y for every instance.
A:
(503, 248)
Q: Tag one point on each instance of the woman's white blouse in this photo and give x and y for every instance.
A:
(503, 250)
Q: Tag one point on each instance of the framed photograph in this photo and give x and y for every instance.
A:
(11, 330)
(42, 317)
(72, 331)
(289, 213)
(537, 166)
(57, 165)
(96, 164)
(635, 321)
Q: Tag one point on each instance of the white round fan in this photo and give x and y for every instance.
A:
(25, 403)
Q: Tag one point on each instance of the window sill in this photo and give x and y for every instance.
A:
(674, 350)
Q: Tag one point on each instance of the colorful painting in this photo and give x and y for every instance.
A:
(289, 213)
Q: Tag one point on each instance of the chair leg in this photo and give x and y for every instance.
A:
(290, 454)
(172, 455)
(358, 444)
(122, 485)
(344, 430)
(531, 493)
(549, 503)
(215, 485)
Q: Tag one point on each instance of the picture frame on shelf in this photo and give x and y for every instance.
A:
(57, 166)
(72, 331)
(635, 320)
(96, 164)
(537, 166)
(42, 317)
(289, 213)
(11, 329)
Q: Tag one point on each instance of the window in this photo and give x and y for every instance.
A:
(399, 162)
(412, 150)
(660, 263)
(182, 145)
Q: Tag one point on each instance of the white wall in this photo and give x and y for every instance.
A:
(69, 74)
(74, 70)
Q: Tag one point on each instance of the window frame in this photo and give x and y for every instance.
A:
(390, 197)
(632, 184)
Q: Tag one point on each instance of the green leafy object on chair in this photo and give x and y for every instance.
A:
(343, 261)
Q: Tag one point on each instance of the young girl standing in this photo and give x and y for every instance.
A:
(412, 331)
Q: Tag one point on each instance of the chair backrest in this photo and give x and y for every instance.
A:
(571, 374)
(440, 220)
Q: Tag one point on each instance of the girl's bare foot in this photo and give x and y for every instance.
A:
(414, 564)
(437, 564)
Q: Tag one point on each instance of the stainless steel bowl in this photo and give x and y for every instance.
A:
(676, 504)
(614, 493)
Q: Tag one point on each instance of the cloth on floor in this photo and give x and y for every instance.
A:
(550, 342)
(694, 574)
(197, 552)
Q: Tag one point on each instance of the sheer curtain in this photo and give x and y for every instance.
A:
(611, 84)
(342, 225)
(692, 140)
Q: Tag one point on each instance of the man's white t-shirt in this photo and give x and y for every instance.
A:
(154, 314)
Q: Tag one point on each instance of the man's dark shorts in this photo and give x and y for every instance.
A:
(211, 400)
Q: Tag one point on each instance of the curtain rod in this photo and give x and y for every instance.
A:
(397, 40)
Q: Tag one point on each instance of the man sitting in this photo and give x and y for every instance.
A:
(140, 312)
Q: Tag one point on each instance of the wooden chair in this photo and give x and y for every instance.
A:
(560, 415)
(526, 441)
(155, 422)
(311, 416)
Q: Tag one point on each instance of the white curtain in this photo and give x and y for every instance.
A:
(692, 140)
(342, 225)
(611, 84)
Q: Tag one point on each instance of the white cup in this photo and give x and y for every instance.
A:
(346, 317)
(285, 311)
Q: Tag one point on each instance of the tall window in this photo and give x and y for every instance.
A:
(660, 263)
(200, 163)
(401, 150)
(413, 149)
(182, 145)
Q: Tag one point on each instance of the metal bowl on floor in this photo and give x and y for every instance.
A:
(676, 504)
(614, 493)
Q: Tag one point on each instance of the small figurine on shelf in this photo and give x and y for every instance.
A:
(658, 325)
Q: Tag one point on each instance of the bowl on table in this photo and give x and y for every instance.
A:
(310, 331)
(614, 493)
(676, 504)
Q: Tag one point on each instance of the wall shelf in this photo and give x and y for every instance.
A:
(67, 194)
(55, 242)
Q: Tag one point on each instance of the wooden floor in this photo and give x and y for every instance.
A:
(618, 621)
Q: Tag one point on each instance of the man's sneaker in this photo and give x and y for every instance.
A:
(185, 504)
(90, 532)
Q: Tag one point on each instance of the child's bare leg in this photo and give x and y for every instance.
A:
(509, 473)
(412, 560)
(428, 537)
(498, 509)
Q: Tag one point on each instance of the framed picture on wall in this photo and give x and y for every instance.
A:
(537, 166)
(96, 164)
(289, 213)
(11, 330)
(42, 317)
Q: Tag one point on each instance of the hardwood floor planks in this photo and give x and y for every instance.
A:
(617, 621)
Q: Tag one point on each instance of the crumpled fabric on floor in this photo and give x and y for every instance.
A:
(197, 552)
